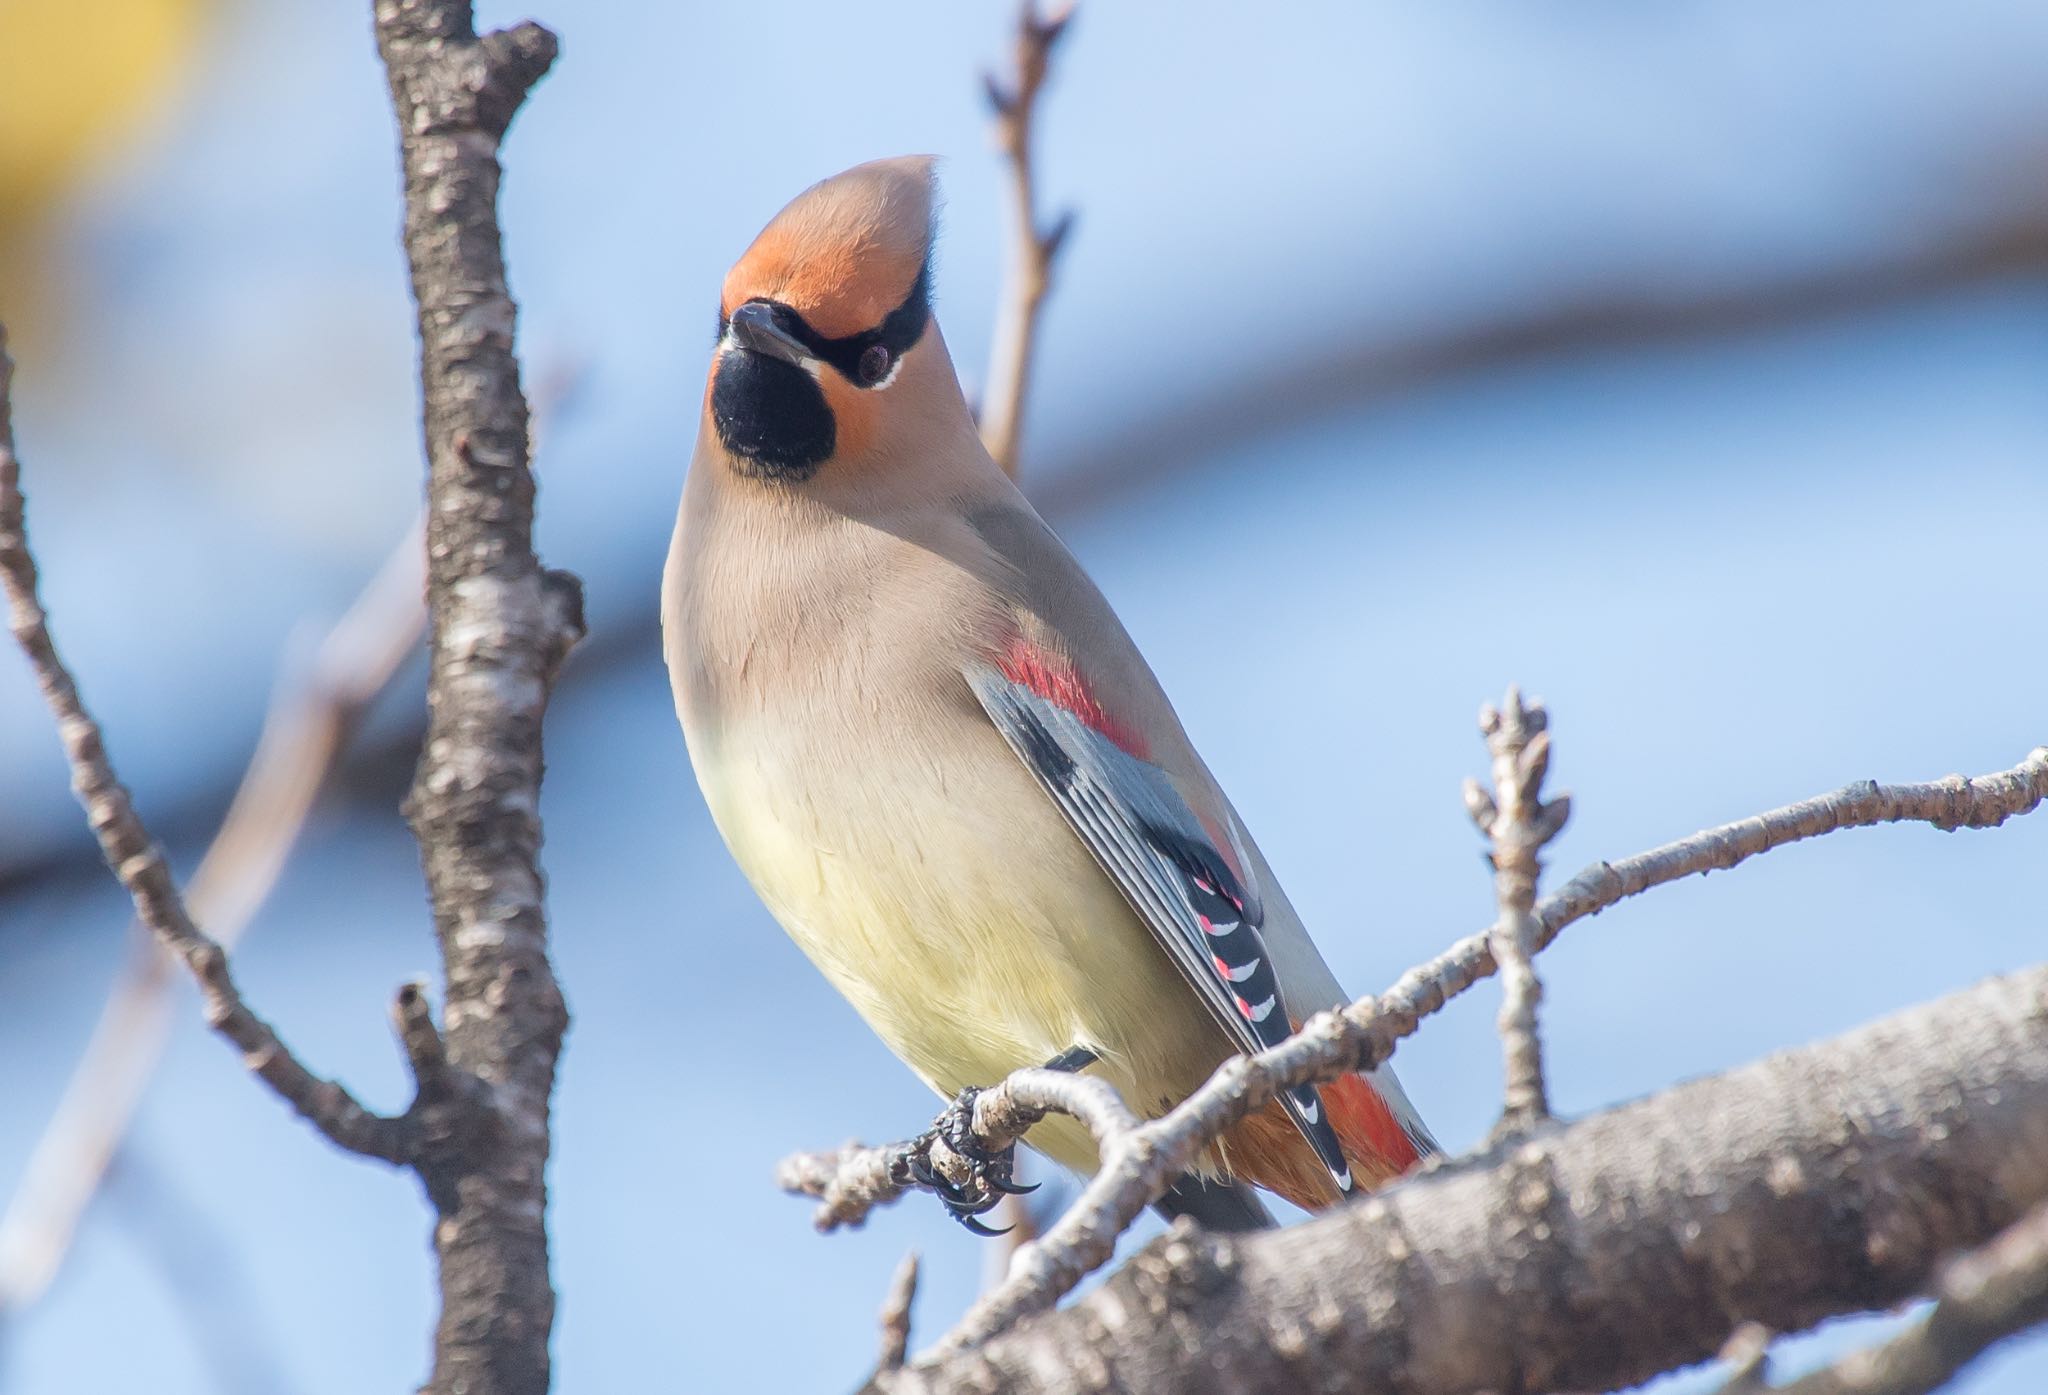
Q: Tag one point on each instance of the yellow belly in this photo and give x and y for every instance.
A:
(962, 918)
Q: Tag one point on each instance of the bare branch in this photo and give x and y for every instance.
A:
(412, 1017)
(135, 857)
(309, 723)
(1592, 1255)
(848, 1181)
(1519, 824)
(1139, 1165)
(1356, 363)
(1980, 1299)
(896, 1315)
(500, 628)
(1034, 249)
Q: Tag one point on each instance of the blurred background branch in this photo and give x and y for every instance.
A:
(315, 710)
(319, 702)
(136, 859)
(1033, 249)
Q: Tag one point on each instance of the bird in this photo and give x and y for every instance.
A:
(938, 756)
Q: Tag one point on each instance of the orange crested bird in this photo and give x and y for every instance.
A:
(938, 757)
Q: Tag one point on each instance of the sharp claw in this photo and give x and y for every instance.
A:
(931, 1180)
(987, 1201)
(988, 1232)
(989, 1179)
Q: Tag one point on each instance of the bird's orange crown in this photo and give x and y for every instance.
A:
(846, 251)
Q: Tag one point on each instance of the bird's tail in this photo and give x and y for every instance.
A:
(1214, 1205)
(1381, 1134)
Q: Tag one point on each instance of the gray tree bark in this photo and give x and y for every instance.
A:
(500, 626)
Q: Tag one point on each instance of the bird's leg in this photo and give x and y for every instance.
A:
(990, 1174)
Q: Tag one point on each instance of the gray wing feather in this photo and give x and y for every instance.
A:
(1144, 835)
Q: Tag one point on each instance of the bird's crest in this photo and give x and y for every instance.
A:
(845, 252)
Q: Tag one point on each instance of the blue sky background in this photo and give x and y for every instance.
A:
(1742, 568)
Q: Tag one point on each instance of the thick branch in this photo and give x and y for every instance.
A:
(139, 862)
(1981, 1299)
(1033, 249)
(1835, 1179)
(500, 627)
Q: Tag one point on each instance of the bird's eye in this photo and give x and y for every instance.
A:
(874, 364)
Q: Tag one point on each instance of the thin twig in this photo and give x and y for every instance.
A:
(1519, 823)
(1138, 1165)
(139, 863)
(311, 718)
(1034, 248)
(1980, 1299)
(896, 1315)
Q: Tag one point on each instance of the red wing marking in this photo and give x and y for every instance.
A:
(1053, 678)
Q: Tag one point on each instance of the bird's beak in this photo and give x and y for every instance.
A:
(753, 327)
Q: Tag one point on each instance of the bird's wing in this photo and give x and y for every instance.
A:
(1203, 912)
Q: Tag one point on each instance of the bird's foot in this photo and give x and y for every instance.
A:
(969, 1179)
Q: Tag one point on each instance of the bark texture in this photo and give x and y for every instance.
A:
(1826, 1180)
(500, 625)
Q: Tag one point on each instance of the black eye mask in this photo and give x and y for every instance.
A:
(899, 330)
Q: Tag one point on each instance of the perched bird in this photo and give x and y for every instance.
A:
(933, 749)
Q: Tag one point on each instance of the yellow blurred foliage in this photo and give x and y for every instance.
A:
(74, 74)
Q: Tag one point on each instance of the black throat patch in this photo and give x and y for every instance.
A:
(772, 417)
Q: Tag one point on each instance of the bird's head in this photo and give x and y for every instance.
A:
(826, 346)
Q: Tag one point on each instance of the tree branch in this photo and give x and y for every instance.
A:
(1834, 1180)
(136, 859)
(500, 627)
(1143, 1163)
(852, 1180)
(1034, 249)
(1519, 824)
(1980, 1299)
(896, 1315)
(309, 723)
